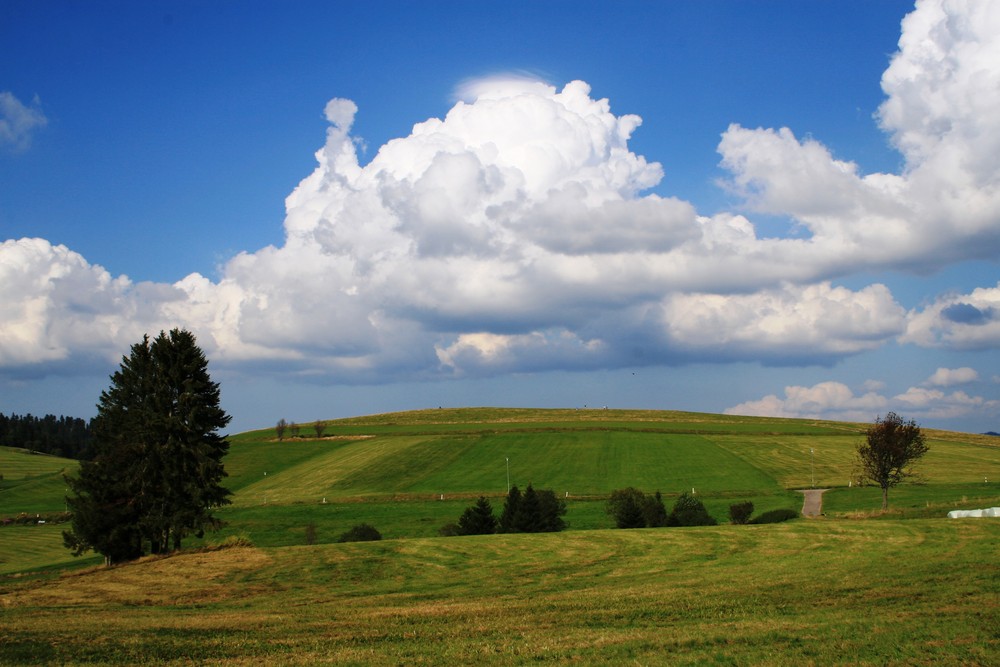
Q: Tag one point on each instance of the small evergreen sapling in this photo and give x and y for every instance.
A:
(478, 519)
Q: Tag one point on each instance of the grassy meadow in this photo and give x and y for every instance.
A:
(32, 482)
(909, 588)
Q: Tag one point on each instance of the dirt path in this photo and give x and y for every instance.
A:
(812, 505)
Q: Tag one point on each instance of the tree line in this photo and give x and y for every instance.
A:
(69, 437)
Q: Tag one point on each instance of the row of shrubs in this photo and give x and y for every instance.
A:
(631, 508)
(541, 511)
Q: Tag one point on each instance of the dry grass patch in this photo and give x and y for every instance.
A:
(185, 578)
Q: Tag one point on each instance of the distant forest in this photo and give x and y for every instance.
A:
(68, 437)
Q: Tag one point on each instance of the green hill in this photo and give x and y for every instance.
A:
(913, 589)
(410, 473)
(583, 453)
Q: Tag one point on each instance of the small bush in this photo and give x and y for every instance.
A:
(449, 530)
(362, 532)
(689, 511)
(232, 542)
(775, 516)
(739, 513)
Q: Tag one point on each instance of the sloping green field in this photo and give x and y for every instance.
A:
(410, 473)
(32, 482)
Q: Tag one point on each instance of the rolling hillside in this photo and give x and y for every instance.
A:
(410, 473)
(915, 588)
(583, 453)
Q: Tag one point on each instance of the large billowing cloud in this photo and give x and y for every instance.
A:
(519, 233)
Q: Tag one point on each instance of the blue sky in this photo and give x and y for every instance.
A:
(806, 222)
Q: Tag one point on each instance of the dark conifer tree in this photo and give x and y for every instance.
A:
(510, 508)
(551, 509)
(478, 519)
(528, 518)
(654, 512)
(158, 455)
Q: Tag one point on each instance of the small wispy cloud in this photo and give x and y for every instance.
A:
(947, 377)
(18, 122)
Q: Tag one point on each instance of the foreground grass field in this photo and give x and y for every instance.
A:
(808, 592)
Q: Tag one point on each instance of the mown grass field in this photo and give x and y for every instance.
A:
(808, 592)
(910, 588)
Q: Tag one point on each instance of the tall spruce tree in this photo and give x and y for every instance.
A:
(157, 470)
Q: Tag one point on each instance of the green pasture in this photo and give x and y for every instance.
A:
(912, 500)
(578, 462)
(17, 464)
(36, 547)
(805, 592)
(32, 482)
(410, 473)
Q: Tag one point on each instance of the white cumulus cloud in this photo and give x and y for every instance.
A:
(942, 88)
(959, 321)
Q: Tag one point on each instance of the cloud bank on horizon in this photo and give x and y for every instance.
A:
(518, 234)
